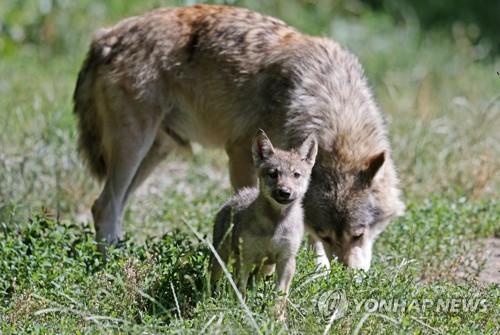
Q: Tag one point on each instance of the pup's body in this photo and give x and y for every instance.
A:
(215, 74)
(263, 227)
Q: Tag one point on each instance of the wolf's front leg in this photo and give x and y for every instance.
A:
(285, 269)
(322, 260)
(241, 168)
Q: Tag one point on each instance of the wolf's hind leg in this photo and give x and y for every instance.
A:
(129, 130)
(107, 209)
(162, 146)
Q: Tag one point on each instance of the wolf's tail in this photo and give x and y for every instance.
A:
(86, 110)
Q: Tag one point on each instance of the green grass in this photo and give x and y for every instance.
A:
(55, 281)
(441, 98)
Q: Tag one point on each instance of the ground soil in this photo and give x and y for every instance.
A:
(491, 270)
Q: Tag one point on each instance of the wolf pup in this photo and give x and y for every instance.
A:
(214, 74)
(263, 227)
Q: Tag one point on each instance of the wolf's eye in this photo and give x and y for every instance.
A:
(296, 174)
(273, 174)
(327, 239)
(357, 237)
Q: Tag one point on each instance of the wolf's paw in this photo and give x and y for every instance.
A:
(322, 263)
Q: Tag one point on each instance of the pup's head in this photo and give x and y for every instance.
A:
(283, 175)
(348, 208)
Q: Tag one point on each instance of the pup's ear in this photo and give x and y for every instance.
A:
(372, 166)
(309, 149)
(262, 148)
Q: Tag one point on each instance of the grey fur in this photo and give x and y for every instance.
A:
(215, 74)
(257, 227)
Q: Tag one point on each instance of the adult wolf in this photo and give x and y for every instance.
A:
(215, 74)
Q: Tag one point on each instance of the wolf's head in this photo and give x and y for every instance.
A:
(283, 175)
(348, 208)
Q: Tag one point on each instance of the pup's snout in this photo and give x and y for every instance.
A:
(283, 195)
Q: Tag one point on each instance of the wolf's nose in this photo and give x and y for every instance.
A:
(284, 193)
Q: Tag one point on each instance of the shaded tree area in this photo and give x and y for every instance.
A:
(43, 22)
(476, 20)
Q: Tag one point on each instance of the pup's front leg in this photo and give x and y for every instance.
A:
(243, 270)
(285, 269)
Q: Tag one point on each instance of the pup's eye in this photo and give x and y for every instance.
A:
(273, 174)
(296, 174)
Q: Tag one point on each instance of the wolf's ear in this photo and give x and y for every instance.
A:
(309, 149)
(372, 166)
(262, 148)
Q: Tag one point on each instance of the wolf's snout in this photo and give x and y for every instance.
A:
(359, 258)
